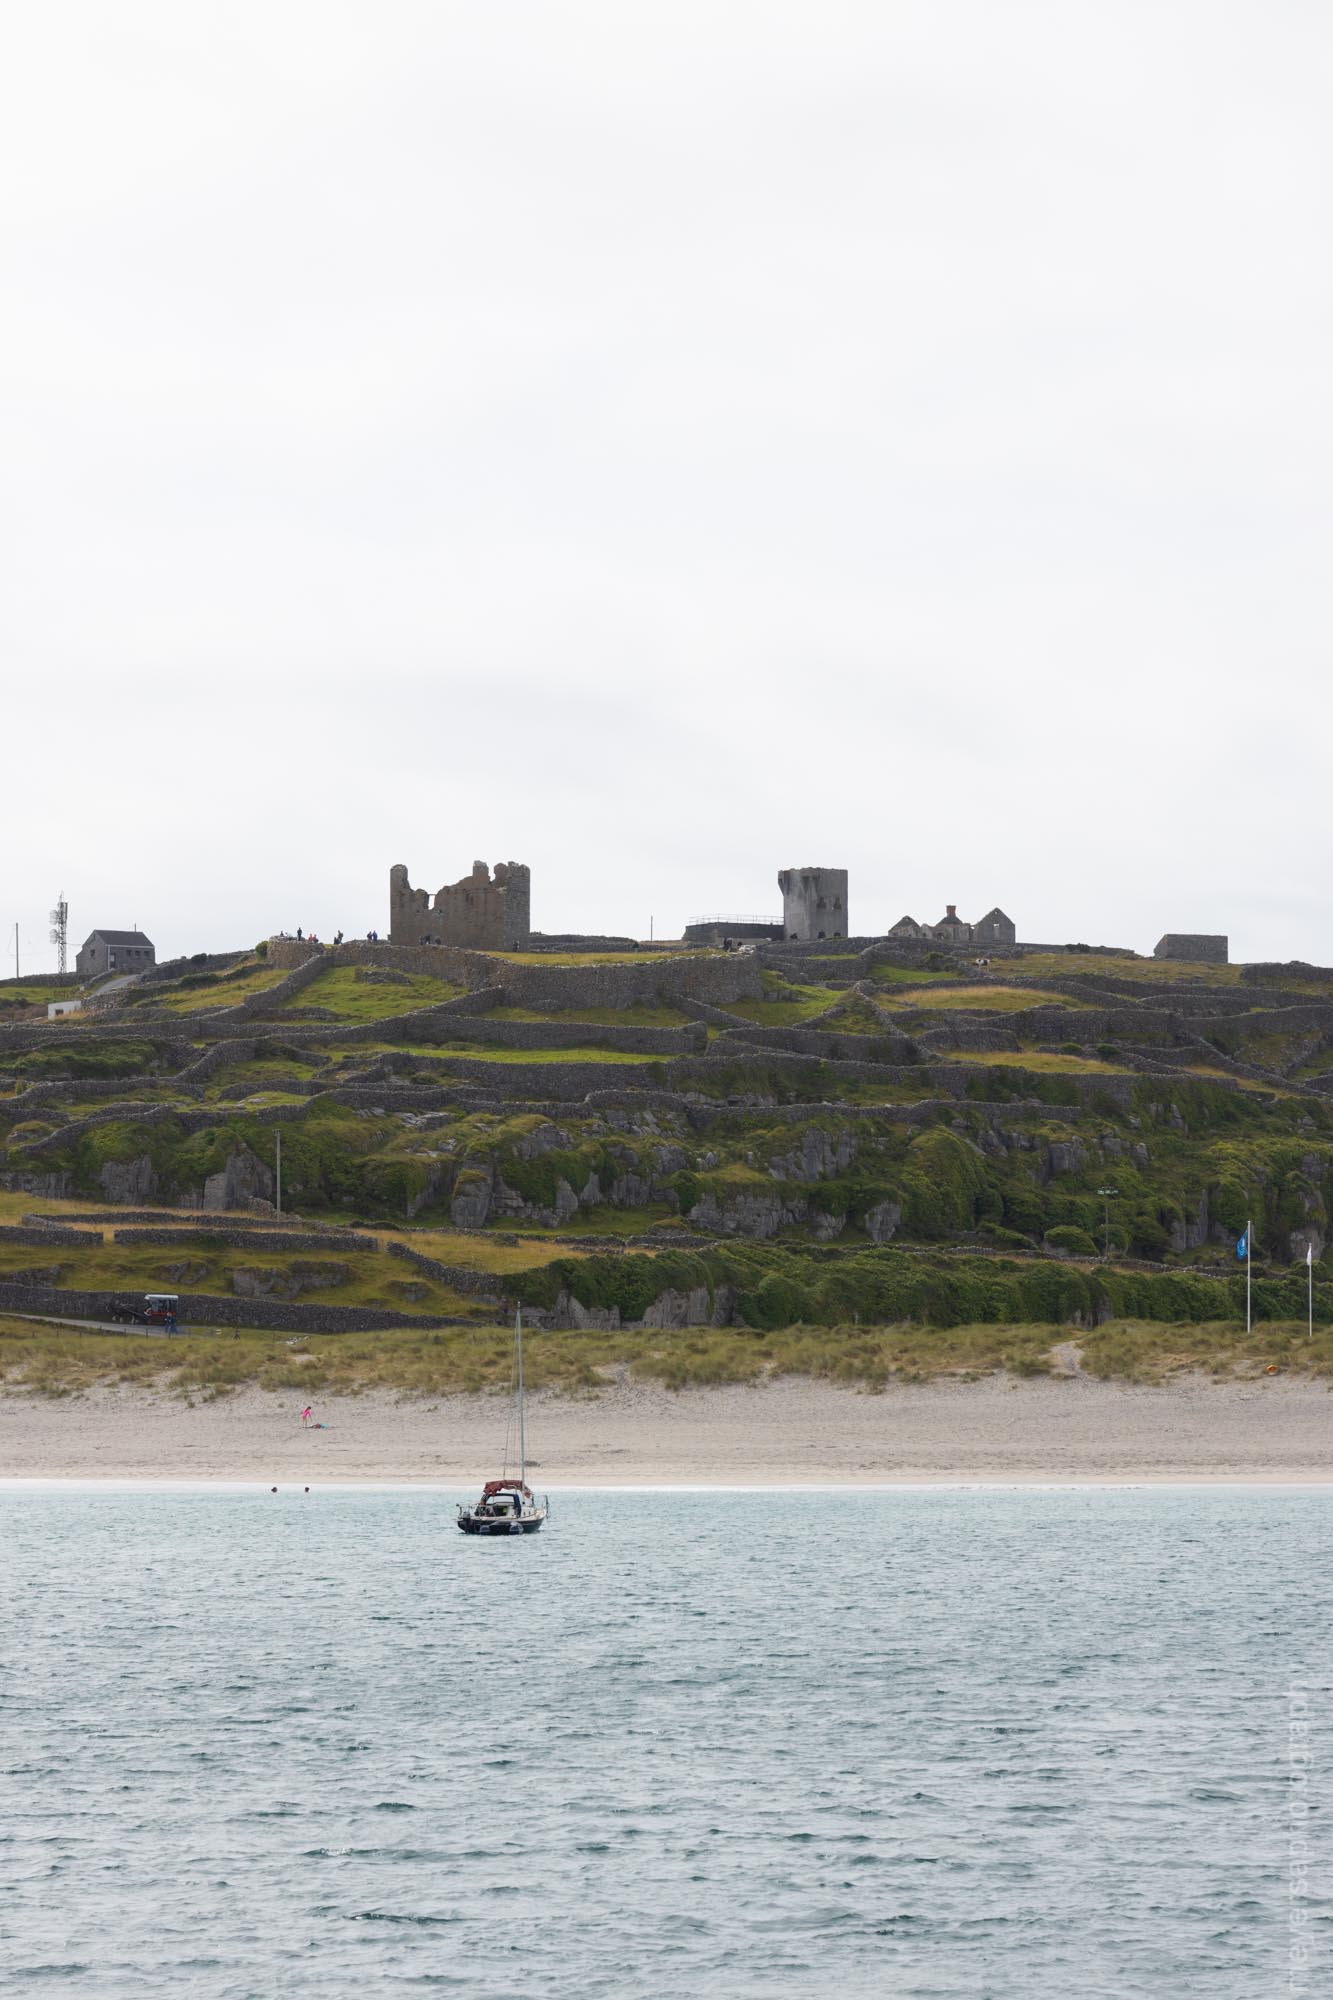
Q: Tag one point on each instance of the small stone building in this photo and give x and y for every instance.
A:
(814, 903)
(995, 928)
(483, 912)
(114, 951)
(1198, 947)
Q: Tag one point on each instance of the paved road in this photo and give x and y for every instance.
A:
(99, 1325)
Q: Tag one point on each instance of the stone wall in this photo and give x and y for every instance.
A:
(39, 1236)
(485, 911)
(240, 1237)
(215, 1309)
(469, 1284)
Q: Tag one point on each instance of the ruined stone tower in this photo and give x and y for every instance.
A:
(814, 902)
(485, 911)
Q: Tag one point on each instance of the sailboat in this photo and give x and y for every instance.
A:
(508, 1506)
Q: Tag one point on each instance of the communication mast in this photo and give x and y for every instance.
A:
(60, 930)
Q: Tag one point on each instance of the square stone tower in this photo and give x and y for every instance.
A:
(814, 903)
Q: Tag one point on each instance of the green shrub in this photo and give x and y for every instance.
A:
(1066, 1237)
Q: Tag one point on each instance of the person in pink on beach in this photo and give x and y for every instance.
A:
(306, 1414)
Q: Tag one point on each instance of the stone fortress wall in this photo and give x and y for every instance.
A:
(486, 911)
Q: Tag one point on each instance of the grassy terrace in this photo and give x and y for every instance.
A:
(212, 991)
(1099, 965)
(487, 1052)
(345, 992)
(638, 1016)
(976, 998)
(786, 1005)
(1051, 1061)
(57, 1361)
(646, 957)
(19, 1003)
(332, 1277)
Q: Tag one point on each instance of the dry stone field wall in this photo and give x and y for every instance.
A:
(832, 1099)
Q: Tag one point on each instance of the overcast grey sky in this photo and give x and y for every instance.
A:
(665, 443)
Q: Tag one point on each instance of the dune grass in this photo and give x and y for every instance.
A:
(429, 1362)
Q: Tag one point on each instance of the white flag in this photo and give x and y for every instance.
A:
(1309, 1253)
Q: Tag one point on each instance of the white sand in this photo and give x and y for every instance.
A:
(790, 1432)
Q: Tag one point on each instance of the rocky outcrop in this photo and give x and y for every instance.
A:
(882, 1221)
(1190, 1232)
(243, 1180)
(819, 1157)
(692, 1308)
(128, 1182)
(260, 1282)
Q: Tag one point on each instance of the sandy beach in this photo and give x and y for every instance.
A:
(790, 1432)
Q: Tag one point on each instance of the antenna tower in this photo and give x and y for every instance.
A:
(60, 930)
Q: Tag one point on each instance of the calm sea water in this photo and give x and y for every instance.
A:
(948, 1743)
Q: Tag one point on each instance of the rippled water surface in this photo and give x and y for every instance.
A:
(808, 1744)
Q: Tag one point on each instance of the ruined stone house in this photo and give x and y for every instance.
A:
(995, 928)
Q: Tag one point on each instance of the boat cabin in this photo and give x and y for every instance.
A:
(503, 1496)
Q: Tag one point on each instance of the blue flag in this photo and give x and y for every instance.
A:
(1243, 1247)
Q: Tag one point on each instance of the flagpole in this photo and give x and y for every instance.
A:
(1309, 1279)
(1249, 1232)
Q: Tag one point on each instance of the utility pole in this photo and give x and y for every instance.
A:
(17, 974)
(1106, 1194)
(277, 1138)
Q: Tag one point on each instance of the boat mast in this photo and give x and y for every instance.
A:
(522, 1444)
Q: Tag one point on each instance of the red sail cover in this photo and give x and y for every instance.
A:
(505, 1486)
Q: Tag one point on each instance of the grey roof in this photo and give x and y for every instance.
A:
(907, 923)
(118, 937)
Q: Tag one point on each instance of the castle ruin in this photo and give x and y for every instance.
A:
(814, 903)
(484, 912)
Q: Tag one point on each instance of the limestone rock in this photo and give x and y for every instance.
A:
(129, 1182)
(882, 1221)
(470, 1203)
(1191, 1232)
(242, 1179)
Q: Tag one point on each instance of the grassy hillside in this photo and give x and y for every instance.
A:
(826, 1141)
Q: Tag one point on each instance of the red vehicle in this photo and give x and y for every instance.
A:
(161, 1309)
